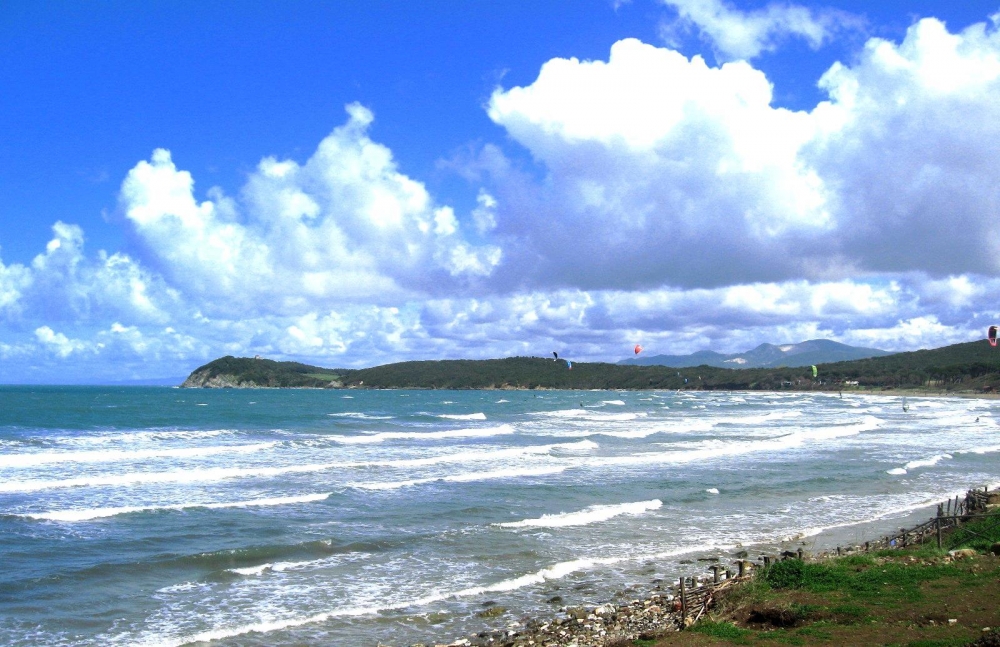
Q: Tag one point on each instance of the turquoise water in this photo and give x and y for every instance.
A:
(159, 516)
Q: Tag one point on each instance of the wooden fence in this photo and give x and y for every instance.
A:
(696, 597)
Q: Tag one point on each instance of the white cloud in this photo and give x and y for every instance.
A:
(675, 207)
(662, 170)
(736, 34)
(59, 343)
(346, 225)
(913, 160)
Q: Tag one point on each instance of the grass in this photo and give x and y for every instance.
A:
(323, 376)
(902, 598)
(724, 630)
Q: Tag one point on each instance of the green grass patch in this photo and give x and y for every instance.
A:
(860, 577)
(980, 534)
(724, 631)
(323, 376)
(815, 631)
(850, 613)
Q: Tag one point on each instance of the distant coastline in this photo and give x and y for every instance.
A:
(971, 369)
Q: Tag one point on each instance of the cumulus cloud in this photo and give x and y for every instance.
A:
(660, 169)
(63, 284)
(670, 204)
(913, 159)
(58, 343)
(345, 225)
(663, 170)
(737, 34)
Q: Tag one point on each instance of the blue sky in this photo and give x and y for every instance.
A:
(369, 182)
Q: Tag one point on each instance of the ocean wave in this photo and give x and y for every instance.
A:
(758, 419)
(462, 416)
(589, 416)
(200, 475)
(359, 415)
(980, 450)
(280, 567)
(927, 462)
(467, 477)
(119, 456)
(143, 436)
(100, 513)
(589, 515)
(717, 449)
(556, 571)
(482, 432)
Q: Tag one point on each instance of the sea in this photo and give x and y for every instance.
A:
(157, 516)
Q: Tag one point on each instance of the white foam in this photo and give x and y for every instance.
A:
(712, 490)
(717, 449)
(100, 513)
(277, 567)
(592, 514)
(758, 419)
(556, 571)
(508, 473)
(359, 416)
(933, 460)
(222, 473)
(619, 403)
(589, 416)
(463, 416)
(367, 439)
(980, 450)
(118, 456)
(898, 471)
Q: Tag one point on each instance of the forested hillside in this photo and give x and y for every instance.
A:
(973, 366)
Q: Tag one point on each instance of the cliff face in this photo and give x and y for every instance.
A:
(205, 380)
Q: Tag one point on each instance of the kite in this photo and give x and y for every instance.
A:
(815, 372)
(638, 349)
(556, 355)
(991, 335)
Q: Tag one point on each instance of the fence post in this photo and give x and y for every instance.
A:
(938, 524)
(800, 554)
(742, 566)
(684, 611)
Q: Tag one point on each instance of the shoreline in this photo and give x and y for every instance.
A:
(659, 611)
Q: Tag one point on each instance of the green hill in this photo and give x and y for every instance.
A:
(245, 372)
(968, 367)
